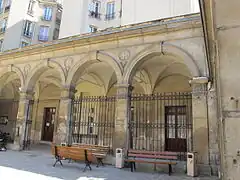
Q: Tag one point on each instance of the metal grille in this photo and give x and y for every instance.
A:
(161, 122)
(93, 119)
(28, 126)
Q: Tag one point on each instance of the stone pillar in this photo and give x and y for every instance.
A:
(122, 116)
(63, 130)
(214, 154)
(20, 133)
(200, 121)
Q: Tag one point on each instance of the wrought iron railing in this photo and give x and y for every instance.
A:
(93, 120)
(161, 122)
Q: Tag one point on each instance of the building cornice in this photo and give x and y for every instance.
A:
(111, 34)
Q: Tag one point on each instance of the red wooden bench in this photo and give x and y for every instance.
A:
(151, 157)
(72, 153)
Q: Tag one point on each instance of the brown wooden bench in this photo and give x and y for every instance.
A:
(72, 153)
(99, 152)
(151, 157)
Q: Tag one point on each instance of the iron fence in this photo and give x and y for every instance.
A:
(93, 120)
(161, 122)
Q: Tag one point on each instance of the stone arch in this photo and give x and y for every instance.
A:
(35, 73)
(91, 58)
(160, 49)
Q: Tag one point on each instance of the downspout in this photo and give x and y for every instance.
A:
(205, 34)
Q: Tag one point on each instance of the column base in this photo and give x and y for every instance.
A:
(204, 169)
(14, 146)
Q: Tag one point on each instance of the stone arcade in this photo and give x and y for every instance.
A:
(119, 77)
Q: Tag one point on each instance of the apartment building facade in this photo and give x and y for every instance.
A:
(92, 15)
(28, 22)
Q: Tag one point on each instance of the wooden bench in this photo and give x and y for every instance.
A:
(99, 152)
(151, 157)
(72, 153)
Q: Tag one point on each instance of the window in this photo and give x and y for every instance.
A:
(3, 25)
(1, 6)
(28, 29)
(43, 33)
(47, 14)
(8, 4)
(1, 45)
(56, 34)
(92, 29)
(110, 14)
(23, 44)
(94, 9)
(31, 7)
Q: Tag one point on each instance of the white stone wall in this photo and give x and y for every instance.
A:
(16, 19)
(76, 13)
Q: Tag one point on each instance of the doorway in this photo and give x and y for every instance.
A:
(48, 123)
(175, 128)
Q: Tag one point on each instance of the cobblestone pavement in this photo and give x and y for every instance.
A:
(36, 166)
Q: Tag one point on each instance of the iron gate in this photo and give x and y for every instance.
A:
(161, 122)
(93, 120)
(28, 125)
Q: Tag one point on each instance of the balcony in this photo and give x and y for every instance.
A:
(45, 18)
(27, 34)
(2, 30)
(43, 38)
(30, 12)
(58, 21)
(109, 17)
(94, 14)
(7, 8)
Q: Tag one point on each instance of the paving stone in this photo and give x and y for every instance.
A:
(36, 165)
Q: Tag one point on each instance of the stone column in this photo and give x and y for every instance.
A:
(20, 131)
(122, 116)
(63, 130)
(214, 154)
(200, 121)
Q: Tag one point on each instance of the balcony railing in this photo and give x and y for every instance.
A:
(43, 38)
(58, 21)
(7, 8)
(30, 12)
(27, 34)
(46, 18)
(2, 30)
(94, 14)
(110, 16)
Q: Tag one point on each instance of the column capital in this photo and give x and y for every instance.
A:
(198, 80)
(26, 95)
(67, 92)
(124, 90)
(199, 86)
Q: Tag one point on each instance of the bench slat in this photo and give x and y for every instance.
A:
(152, 156)
(151, 162)
(152, 152)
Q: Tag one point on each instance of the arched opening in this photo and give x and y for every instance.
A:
(46, 83)
(94, 104)
(9, 101)
(161, 110)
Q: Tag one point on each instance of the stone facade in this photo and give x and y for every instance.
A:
(158, 57)
(221, 24)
